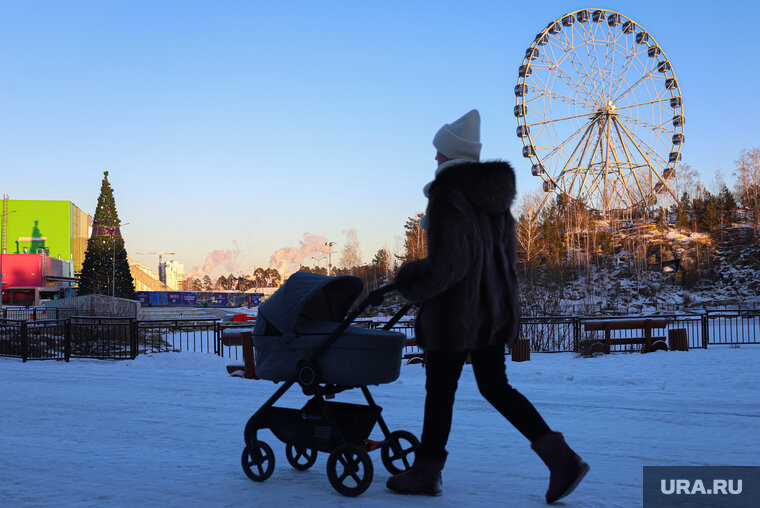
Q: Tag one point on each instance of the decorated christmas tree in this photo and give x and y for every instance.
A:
(105, 269)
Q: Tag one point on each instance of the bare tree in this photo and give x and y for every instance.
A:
(687, 180)
(351, 256)
(528, 231)
(747, 175)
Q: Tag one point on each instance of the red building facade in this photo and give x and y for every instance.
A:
(28, 278)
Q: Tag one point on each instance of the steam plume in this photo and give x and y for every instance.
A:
(288, 259)
(226, 258)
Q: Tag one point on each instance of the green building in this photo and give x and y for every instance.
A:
(58, 228)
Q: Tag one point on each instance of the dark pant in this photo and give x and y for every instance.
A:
(443, 370)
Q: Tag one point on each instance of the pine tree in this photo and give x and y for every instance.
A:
(415, 239)
(105, 269)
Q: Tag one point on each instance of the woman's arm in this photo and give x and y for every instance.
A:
(451, 240)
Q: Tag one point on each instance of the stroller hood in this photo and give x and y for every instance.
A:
(307, 296)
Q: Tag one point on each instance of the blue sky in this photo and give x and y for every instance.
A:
(241, 126)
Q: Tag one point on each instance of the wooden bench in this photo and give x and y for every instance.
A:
(645, 325)
(241, 337)
(414, 356)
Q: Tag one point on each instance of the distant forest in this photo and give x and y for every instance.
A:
(561, 235)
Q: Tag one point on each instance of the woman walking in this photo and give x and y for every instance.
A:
(467, 288)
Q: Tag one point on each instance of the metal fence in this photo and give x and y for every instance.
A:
(177, 335)
(122, 338)
(35, 313)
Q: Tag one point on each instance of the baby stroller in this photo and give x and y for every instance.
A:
(302, 336)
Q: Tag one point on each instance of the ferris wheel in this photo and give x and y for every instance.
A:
(600, 111)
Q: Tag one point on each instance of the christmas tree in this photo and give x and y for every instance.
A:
(105, 269)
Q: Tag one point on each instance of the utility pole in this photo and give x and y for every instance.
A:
(318, 260)
(3, 242)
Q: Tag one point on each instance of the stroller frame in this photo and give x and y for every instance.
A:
(337, 428)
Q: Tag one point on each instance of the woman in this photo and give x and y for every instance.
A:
(467, 288)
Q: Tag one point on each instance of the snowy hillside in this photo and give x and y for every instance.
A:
(656, 271)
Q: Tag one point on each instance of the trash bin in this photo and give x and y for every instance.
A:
(678, 340)
(521, 350)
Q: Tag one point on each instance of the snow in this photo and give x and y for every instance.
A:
(166, 430)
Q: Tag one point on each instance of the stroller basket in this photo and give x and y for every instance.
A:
(309, 428)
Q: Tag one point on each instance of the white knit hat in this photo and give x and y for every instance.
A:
(460, 139)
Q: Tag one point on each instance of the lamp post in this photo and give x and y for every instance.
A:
(2, 251)
(329, 257)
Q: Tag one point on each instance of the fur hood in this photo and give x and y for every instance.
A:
(467, 286)
(487, 185)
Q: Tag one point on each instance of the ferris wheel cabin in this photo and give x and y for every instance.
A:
(582, 16)
(537, 169)
(532, 53)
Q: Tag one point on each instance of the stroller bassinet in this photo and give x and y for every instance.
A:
(302, 314)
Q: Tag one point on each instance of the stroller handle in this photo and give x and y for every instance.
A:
(375, 297)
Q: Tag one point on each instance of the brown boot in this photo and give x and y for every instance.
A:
(424, 477)
(565, 466)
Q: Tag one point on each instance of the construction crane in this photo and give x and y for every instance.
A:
(160, 255)
(161, 266)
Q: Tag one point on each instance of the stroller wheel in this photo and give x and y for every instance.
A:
(300, 458)
(258, 463)
(396, 453)
(349, 469)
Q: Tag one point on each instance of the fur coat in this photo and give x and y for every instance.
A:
(467, 286)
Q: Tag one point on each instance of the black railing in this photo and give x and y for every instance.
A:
(39, 313)
(122, 338)
(733, 327)
(550, 334)
(103, 337)
(177, 335)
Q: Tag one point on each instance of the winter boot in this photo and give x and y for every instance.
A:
(565, 466)
(424, 477)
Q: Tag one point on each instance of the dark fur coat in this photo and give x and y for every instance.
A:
(467, 286)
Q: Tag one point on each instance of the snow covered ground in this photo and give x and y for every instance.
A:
(166, 430)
